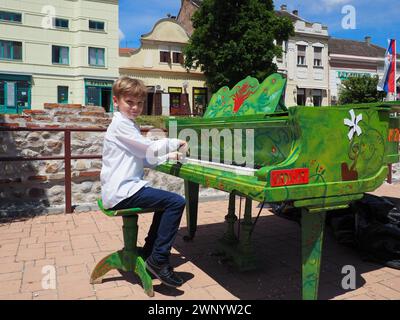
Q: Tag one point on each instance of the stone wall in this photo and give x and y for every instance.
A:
(36, 187)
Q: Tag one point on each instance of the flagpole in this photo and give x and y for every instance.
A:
(395, 70)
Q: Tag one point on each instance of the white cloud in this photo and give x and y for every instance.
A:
(332, 3)
(121, 35)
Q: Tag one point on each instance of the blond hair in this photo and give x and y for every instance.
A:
(129, 86)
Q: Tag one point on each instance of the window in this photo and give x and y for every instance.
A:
(199, 100)
(10, 16)
(15, 94)
(60, 55)
(2, 96)
(11, 50)
(96, 25)
(61, 23)
(301, 55)
(10, 91)
(96, 57)
(317, 57)
(177, 57)
(62, 94)
(22, 94)
(165, 56)
(301, 97)
(93, 96)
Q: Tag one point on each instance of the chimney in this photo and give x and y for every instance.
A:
(296, 12)
(368, 39)
(283, 7)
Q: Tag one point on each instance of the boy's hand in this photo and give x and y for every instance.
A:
(183, 147)
(177, 156)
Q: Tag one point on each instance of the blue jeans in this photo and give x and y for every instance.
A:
(165, 222)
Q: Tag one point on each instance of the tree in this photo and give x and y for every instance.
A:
(361, 89)
(234, 39)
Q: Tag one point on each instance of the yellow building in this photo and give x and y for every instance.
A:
(63, 51)
(159, 63)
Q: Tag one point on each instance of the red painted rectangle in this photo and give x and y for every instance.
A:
(280, 178)
(394, 135)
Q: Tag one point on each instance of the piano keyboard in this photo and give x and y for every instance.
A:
(220, 166)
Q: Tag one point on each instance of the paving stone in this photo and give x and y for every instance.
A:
(10, 287)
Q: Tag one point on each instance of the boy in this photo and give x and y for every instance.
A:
(125, 153)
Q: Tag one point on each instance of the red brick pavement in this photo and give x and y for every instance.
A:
(73, 243)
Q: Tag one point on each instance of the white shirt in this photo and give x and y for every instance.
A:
(125, 153)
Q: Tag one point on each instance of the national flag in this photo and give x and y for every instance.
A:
(388, 82)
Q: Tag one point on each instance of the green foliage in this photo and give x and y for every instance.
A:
(360, 90)
(155, 121)
(234, 39)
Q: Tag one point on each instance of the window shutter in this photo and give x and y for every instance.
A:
(318, 53)
(301, 51)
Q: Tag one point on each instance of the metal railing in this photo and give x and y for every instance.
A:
(67, 157)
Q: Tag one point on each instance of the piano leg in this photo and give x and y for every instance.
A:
(229, 236)
(192, 202)
(239, 250)
(247, 258)
(312, 227)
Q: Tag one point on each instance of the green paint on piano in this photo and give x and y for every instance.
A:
(346, 150)
(248, 97)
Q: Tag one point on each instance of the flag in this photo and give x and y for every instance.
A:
(388, 82)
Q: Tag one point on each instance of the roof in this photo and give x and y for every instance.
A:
(355, 48)
(287, 14)
(197, 2)
(126, 50)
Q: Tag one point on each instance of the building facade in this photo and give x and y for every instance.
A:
(349, 58)
(63, 51)
(159, 63)
(305, 62)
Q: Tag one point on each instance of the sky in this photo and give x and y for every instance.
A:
(379, 19)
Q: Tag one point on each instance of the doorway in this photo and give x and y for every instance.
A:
(149, 104)
(106, 99)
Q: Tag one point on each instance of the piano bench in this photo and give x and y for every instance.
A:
(126, 259)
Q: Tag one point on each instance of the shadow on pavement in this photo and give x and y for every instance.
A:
(278, 250)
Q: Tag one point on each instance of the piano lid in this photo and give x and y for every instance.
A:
(249, 97)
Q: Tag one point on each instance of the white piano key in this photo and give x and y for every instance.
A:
(220, 166)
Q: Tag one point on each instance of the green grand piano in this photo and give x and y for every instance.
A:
(318, 159)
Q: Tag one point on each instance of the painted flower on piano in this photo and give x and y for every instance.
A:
(241, 95)
(353, 124)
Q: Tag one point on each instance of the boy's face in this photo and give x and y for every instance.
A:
(129, 105)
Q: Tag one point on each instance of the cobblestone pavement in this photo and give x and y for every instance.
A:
(74, 243)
